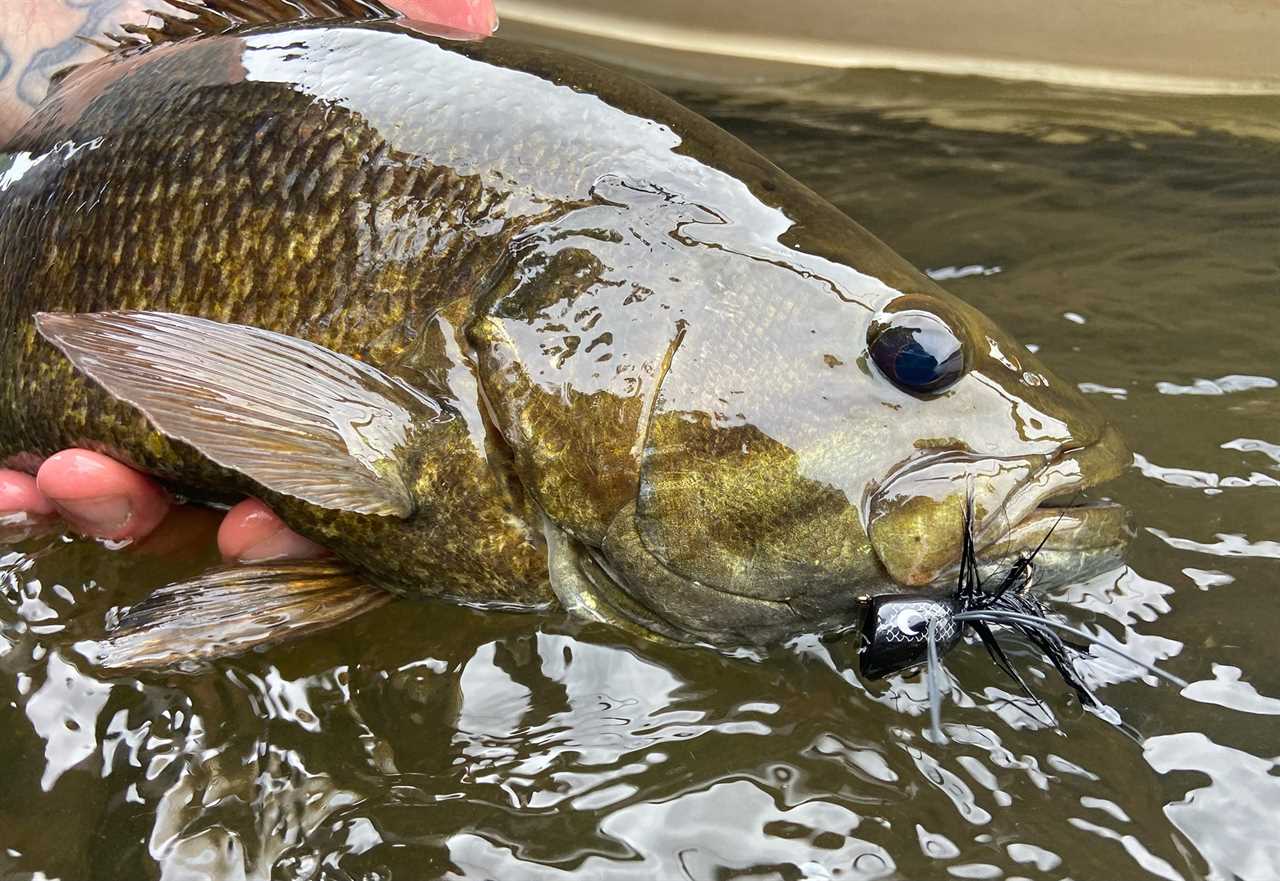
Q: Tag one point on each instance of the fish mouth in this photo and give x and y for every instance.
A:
(1070, 537)
(1028, 506)
(1058, 488)
(1067, 543)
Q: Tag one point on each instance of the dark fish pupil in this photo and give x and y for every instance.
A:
(918, 352)
(915, 366)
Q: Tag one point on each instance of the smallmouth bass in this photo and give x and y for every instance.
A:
(500, 326)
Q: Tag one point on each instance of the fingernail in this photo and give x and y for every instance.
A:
(283, 544)
(104, 516)
(19, 495)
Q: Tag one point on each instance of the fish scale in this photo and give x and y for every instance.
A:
(248, 203)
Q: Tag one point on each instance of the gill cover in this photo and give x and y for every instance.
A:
(747, 471)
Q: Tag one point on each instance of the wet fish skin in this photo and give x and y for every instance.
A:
(180, 186)
(637, 336)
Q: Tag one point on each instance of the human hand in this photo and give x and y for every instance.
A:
(102, 498)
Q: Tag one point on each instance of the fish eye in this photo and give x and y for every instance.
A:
(917, 351)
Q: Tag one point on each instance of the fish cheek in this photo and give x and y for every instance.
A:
(729, 507)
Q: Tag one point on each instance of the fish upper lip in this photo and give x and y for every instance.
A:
(1065, 472)
(912, 517)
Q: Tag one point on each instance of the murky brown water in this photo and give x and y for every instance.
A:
(1136, 241)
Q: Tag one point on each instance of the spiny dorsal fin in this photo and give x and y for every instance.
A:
(220, 16)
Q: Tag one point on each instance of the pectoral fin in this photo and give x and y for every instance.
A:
(299, 419)
(229, 611)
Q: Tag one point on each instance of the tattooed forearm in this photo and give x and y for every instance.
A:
(93, 17)
(39, 37)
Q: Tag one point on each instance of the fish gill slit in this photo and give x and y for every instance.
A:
(660, 376)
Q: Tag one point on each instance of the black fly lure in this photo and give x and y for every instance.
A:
(906, 630)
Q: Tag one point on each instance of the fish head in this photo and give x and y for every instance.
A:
(806, 451)
(744, 416)
(997, 441)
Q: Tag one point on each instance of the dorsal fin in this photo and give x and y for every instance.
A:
(220, 16)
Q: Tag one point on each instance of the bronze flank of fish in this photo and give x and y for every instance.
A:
(500, 326)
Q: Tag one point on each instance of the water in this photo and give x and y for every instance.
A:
(1135, 241)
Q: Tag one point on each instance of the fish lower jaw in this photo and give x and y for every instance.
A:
(1068, 537)
(1066, 544)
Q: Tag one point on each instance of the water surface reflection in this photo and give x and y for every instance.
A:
(424, 741)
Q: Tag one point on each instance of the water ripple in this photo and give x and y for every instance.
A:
(1225, 385)
(1227, 545)
(1223, 817)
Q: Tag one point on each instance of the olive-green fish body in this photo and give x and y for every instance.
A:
(498, 325)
